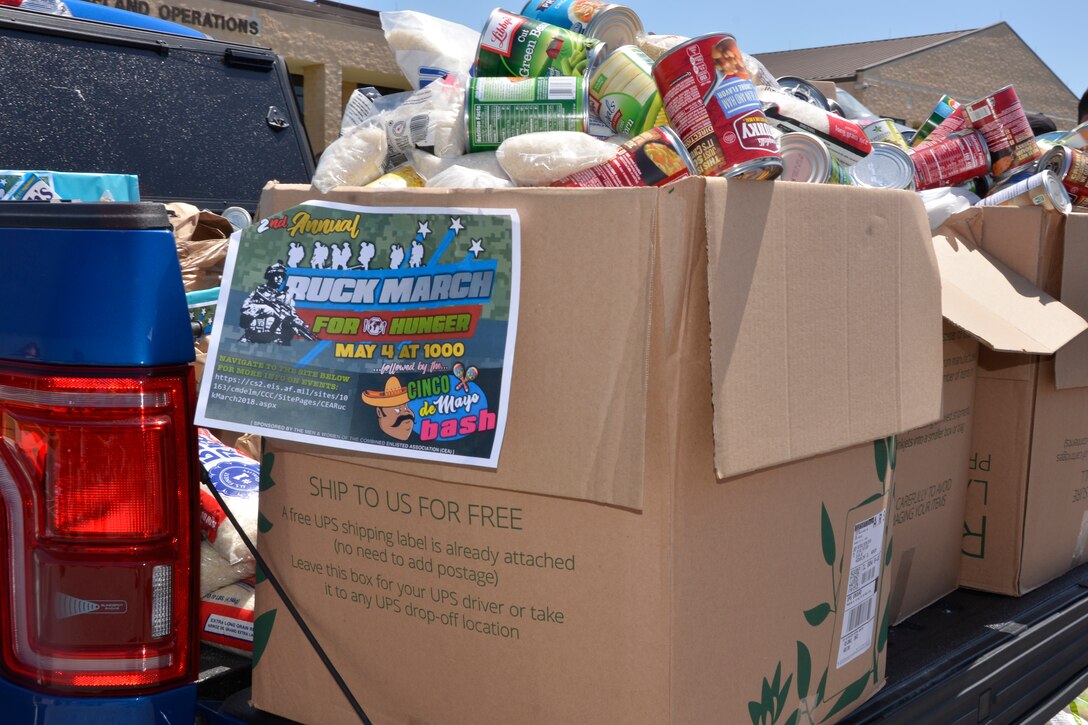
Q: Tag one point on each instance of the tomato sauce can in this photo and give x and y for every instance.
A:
(1042, 189)
(807, 159)
(1001, 119)
(1071, 166)
(498, 108)
(515, 46)
(654, 158)
(623, 94)
(615, 25)
(711, 103)
(943, 110)
(953, 160)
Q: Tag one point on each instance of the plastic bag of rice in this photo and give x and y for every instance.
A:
(237, 478)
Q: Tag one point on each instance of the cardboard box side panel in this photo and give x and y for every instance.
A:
(931, 488)
(448, 603)
(1072, 360)
(1056, 517)
(580, 364)
(997, 485)
(824, 308)
(749, 561)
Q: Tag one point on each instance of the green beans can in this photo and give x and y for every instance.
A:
(516, 46)
(498, 108)
(623, 93)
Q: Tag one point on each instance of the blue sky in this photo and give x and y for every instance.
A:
(1057, 33)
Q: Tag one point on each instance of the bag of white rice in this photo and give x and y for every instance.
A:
(354, 159)
(538, 159)
(237, 478)
(226, 618)
(428, 48)
(216, 572)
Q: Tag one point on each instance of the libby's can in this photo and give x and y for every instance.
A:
(622, 92)
(615, 25)
(1042, 189)
(953, 160)
(889, 166)
(805, 158)
(884, 130)
(943, 110)
(514, 46)
(713, 106)
(498, 108)
(1071, 167)
(654, 158)
(1001, 119)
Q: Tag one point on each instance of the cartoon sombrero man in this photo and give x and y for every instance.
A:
(395, 418)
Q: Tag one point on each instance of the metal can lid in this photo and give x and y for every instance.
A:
(1057, 159)
(615, 25)
(886, 167)
(1056, 192)
(595, 55)
(238, 217)
(805, 158)
(807, 92)
(683, 45)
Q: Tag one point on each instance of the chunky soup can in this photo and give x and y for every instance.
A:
(615, 25)
(1001, 119)
(654, 158)
(623, 94)
(498, 108)
(515, 46)
(1071, 167)
(953, 160)
(711, 103)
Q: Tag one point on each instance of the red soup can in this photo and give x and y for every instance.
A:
(1001, 119)
(654, 158)
(711, 103)
(954, 159)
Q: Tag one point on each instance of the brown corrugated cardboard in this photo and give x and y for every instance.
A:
(1027, 510)
(1071, 362)
(702, 599)
(931, 488)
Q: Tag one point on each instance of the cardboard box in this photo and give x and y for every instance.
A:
(931, 488)
(688, 522)
(1027, 508)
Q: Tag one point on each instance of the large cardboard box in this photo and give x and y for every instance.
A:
(1027, 510)
(689, 519)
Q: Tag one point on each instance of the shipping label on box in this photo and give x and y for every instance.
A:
(382, 330)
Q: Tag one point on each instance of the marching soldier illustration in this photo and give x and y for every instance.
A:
(268, 313)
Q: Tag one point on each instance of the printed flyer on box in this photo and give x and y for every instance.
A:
(386, 330)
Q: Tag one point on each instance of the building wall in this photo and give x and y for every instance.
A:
(333, 48)
(966, 69)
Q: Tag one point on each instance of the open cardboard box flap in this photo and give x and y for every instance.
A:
(825, 325)
(825, 319)
(987, 298)
(1071, 362)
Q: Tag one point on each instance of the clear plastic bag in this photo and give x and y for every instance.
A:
(428, 48)
(538, 159)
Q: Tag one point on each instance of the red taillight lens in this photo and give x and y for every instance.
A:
(99, 482)
(11, 3)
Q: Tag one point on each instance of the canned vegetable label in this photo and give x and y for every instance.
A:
(713, 106)
(654, 158)
(574, 15)
(623, 94)
(498, 108)
(944, 109)
(884, 130)
(514, 46)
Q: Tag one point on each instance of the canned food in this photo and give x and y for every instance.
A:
(943, 110)
(614, 25)
(951, 161)
(513, 46)
(845, 139)
(1070, 165)
(800, 88)
(807, 159)
(1077, 138)
(622, 92)
(956, 121)
(1042, 189)
(884, 130)
(654, 158)
(403, 178)
(711, 102)
(1001, 119)
(889, 166)
(498, 108)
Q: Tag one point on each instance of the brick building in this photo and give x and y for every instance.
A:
(903, 78)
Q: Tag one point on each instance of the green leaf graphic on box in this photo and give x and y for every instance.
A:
(882, 638)
(783, 695)
(818, 614)
(888, 554)
(768, 695)
(266, 482)
(821, 688)
(262, 630)
(804, 670)
(891, 448)
(793, 718)
(874, 497)
(827, 536)
(880, 451)
(849, 695)
(259, 576)
(755, 711)
(263, 524)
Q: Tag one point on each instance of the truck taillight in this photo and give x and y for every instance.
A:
(98, 480)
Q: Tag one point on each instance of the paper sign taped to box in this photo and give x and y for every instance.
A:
(384, 330)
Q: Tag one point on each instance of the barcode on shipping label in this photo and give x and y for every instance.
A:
(562, 89)
(862, 592)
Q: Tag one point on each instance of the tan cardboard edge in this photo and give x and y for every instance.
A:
(1071, 362)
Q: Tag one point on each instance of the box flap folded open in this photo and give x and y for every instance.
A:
(985, 297)
(825, 319)
(1071, 362)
